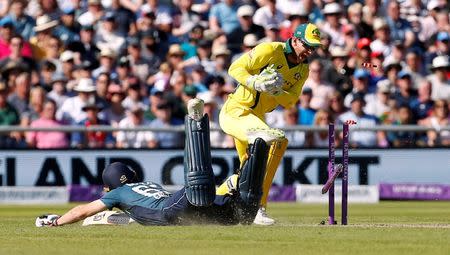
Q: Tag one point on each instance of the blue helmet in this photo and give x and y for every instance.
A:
(117, 174)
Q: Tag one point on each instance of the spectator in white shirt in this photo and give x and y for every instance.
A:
(71, 111)
(268, 15)
(321, 90)
(134, 139)
(380, 106)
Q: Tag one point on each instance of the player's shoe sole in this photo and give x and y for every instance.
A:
(267, 134)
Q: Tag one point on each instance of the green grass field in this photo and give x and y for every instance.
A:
(385, 228)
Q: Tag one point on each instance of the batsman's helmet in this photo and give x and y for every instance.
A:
(309, 34)
(117, 174)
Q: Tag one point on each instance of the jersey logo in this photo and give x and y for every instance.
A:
(123, 179)
(297, 76)
(279, 66)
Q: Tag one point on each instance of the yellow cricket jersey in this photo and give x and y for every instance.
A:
(254, 62)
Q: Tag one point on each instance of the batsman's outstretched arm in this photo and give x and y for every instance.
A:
(80, 212)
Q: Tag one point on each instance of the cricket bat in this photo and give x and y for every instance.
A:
(108, 218)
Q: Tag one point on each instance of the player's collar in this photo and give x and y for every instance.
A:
(288, 46)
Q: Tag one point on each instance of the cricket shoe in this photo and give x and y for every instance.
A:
(262, 218)
(267, 134)
(195, 108)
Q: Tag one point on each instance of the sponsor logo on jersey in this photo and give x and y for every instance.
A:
(297, 76)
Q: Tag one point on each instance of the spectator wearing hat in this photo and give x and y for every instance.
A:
(153, 44)
(222, 57)
(40, 43)
(350, 37)
(93, 14)
(296, 16)
(69, 29)
(67, 59)
(123, 68)
(422, 106)
(380, 107)
(175, 57)
(400, 28)
(107, 36)
(354, 13)
(332, 25)
(107, 58)
(92, 139)
(161, 79)
(429, 21)
(135, 139)
(141, 66)
(268, 14)
(272, 32)
(441, 47)
(164, 119)
(338, 73)
(356, 113)
(58, 91)
(47, 140)
(186, 17)
(247, 26)
(23, 24)
(86, 47)
(7, 32)
(161, 11)
(360, 83)
(439, 78)
(204, 51)
(321, 90)
(362, 52)
(250, 41)
(405, 94)
(124, 17)
(382, 37)
(71, 112)
(223, 16)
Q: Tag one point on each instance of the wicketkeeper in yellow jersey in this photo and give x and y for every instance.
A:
(271, 74)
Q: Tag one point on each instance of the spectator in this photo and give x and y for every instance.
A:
(86, 47)
(156, 97)
(164, 119)
(134, 139)
(23, 24)
(319, 139)
(34, 109)
(422, 105)
(414, 65)
(8, 117)
(115, 111)
(336, 105)
(391, 70)
(141, 66)
(107, 57)
(247, 26)
(400, 28)
(185, 19)
(20, 96)
(321, 90)
(6, 33)
(58, 91)
(101, 86)
(162, 12)
(47, 70)
(439, 118)
(356, 113)
(15, 55)
(93, 14)
(296, 17)
(107, 36)
(382, 37)
(222, 57)
(404, 95)
(439, 79)
(338, 74)
(296, 138)
(71, 111)
(355, 18)
(47, 140)
(268, 15)
(223, 16)
(360, 82)
(332, 24)
(67, 60)
(175, 57)
(174, 95)
(92, 139)
(379, 107)
(40, 43)
(134, 96)
(124, 18)
(306, 113)
(69, 29)
(403, 138)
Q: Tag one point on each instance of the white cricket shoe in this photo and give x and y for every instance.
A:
(195, 108)
(267, 134)
(262, 218)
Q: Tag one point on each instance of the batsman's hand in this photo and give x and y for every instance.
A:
(269, 80)
(47, 220)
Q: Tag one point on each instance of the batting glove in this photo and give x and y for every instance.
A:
(47, 220)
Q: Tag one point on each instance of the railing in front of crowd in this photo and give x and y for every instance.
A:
(104, 128)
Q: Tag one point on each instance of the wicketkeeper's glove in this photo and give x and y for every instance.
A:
(269, 80)
(47, 220)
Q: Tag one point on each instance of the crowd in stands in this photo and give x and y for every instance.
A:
(127, 63)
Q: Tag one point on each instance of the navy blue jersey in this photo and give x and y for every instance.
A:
(143, 201)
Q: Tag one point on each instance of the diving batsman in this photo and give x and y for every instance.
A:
(271, 74)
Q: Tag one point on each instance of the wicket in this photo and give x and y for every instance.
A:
(334, 171)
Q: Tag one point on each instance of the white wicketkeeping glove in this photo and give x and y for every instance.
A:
(46, 220)
(269, 80)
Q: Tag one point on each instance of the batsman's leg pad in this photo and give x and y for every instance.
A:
(251, 180)
(199, 175)
(276, 153)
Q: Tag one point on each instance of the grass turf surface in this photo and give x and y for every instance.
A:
(385, 228)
